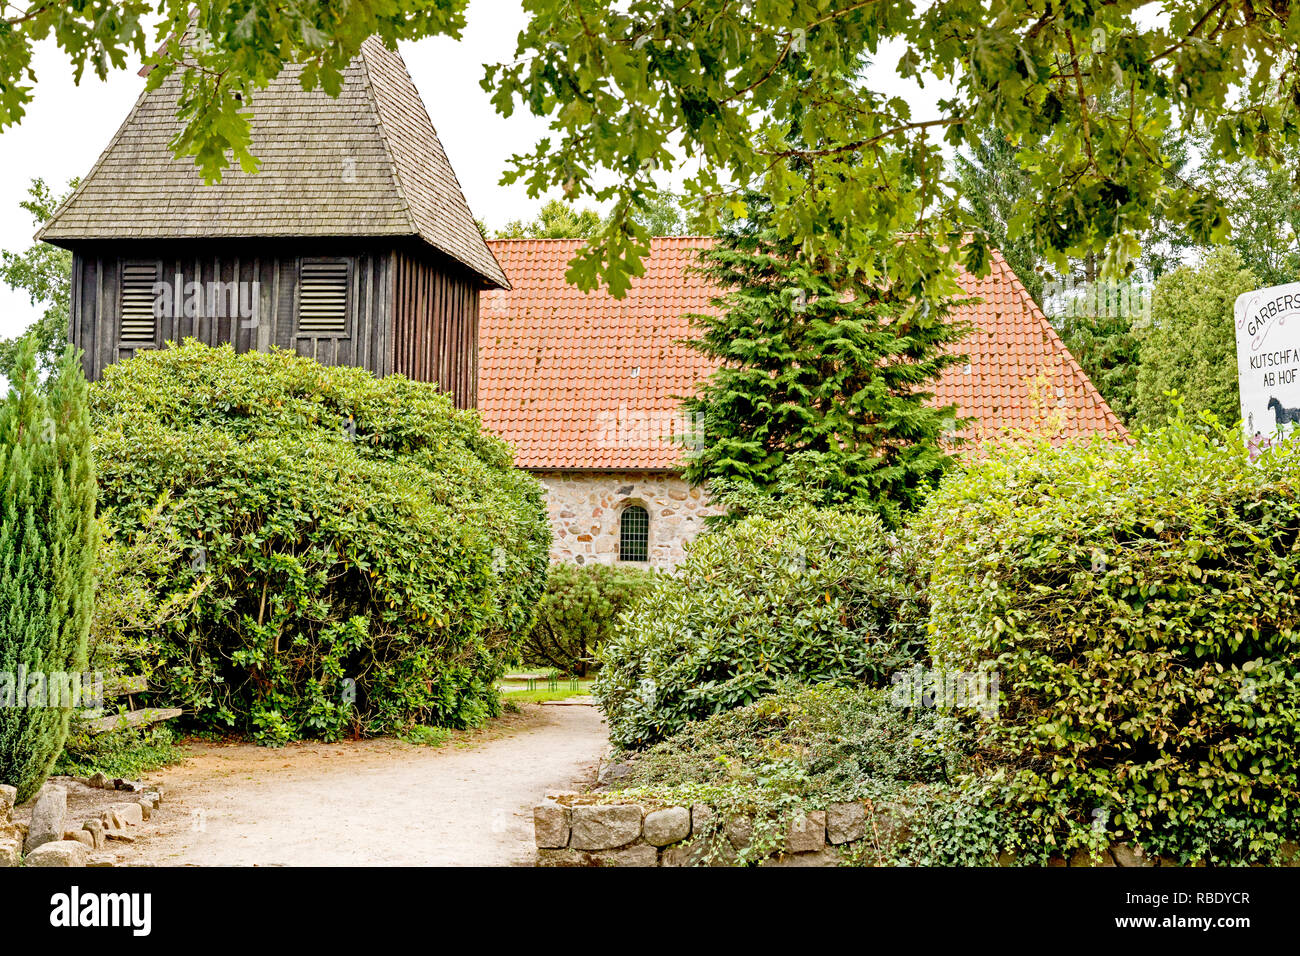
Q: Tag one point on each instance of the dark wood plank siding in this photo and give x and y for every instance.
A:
(435, 325)
(97, 309)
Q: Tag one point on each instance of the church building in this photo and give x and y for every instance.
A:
(353, 245)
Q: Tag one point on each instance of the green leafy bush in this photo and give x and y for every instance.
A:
(815, 595)
(577, 614)
(366, 555)
(132, 598)
(842, 737)
(48, 542)
(1141, 606)
(128, 753)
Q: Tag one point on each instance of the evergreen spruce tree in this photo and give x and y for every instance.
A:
(824, 387)
(48, 544)
(991, 182)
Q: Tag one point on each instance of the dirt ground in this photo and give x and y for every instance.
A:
(378, 802)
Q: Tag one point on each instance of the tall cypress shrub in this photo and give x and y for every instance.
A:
(47, 553)
(825, 380)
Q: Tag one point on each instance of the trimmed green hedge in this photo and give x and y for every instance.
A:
(368, 556)
(815, 595)
(1141, 605)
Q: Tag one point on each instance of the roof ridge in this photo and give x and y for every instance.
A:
(383, 137)
(378, 57)
(364, 163)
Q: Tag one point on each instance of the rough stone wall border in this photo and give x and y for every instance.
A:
(53, 837)
(569, 832)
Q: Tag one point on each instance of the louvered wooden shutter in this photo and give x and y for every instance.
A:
(323, 297)
(138, 321)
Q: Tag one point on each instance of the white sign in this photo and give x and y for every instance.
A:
(1268, 361)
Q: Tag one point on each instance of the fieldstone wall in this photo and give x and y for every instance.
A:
(585, 508)
(572, 829)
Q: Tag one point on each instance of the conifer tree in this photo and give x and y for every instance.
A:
(824, 385)
(48, 543)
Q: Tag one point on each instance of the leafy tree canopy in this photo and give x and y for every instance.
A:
(44, 272)
(661, 215)
(1263, 201)
(993, 185)
(237, 49)
(557, 220)
(771, 95)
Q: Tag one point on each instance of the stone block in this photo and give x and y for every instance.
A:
(891, 827)
(8, 796)
(605, 826)
(11, 849)
(807, 833)
(640, 854)
(662, 827)
(57, 853)
(48, 817)
(685, 854)
(715, 850)
(80, 836)
(1082, 857)
(553, 857)
(1129, 856)
(96, 830)
(637, 855)
(132, 814)
(702, 819)
(740, 832)
(845, 822)
(551, 823)
(612, 773)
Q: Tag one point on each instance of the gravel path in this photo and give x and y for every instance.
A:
(380, 802)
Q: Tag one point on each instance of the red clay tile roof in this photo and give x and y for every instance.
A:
(581, 381)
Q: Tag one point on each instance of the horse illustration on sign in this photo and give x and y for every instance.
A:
(1283, 415)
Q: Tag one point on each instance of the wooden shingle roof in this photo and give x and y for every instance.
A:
(582, 381)
(367, 163)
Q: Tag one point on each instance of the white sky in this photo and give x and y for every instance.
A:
(67, 126)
